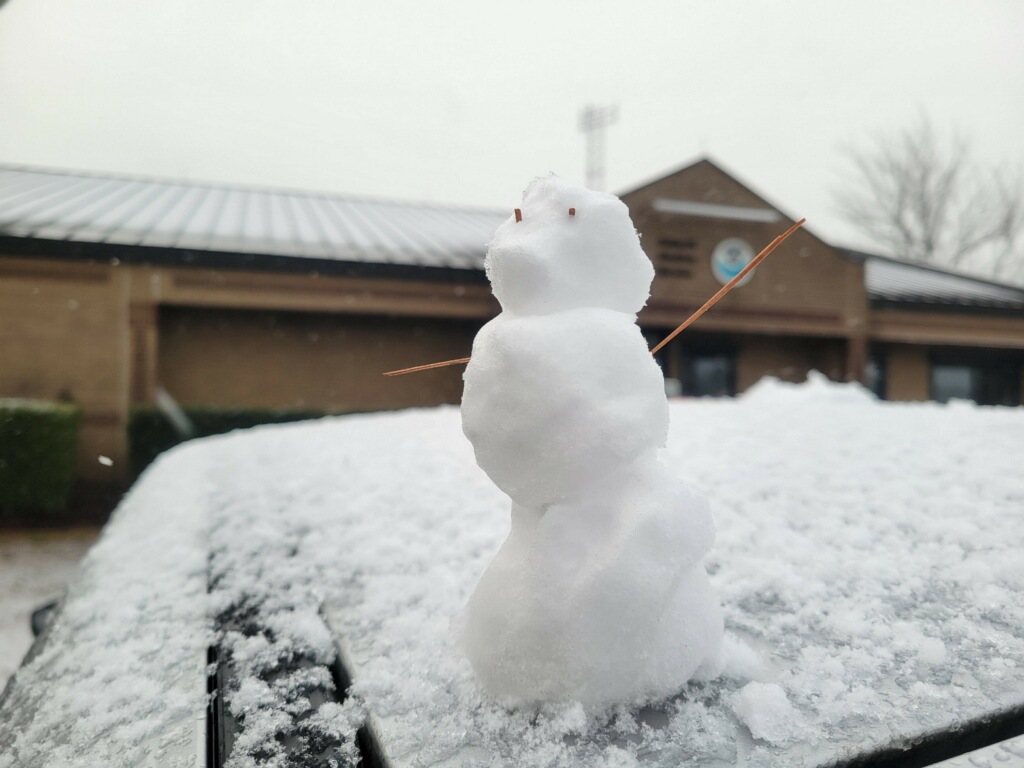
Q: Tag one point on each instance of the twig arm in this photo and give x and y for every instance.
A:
(427, 367)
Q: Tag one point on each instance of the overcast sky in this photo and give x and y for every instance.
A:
(466, 101)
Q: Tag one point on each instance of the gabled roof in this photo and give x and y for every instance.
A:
(87, 208)
(898, 282)
(749, 205)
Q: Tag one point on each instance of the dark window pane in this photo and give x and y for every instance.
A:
(998, 385)
(990, 382)
(709, 375)
(875, 376)
(952, 381)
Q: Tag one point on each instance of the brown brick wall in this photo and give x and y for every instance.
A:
(62, 336)
(787, 358)
(307, 360)
(907, 373)
(804, 288)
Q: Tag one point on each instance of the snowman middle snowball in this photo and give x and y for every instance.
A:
(599, 594)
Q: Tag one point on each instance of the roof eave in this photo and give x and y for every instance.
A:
(141, 255)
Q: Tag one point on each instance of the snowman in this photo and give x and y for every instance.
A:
(599, 594)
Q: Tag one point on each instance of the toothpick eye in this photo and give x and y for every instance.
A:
(519, 215)
(572, 211)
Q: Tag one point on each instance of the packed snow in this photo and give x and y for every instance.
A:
(765, 710)
(599, 594)
(867, 559)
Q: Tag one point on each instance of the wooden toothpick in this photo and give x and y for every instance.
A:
(683, 326)
(427, 367)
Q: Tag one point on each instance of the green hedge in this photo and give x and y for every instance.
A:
(38, 454)
(150, 433)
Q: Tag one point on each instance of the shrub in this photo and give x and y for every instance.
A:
(150, 433)
(38, 454)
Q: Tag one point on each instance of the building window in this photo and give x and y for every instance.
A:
(875, 375)
(708, 373)
(675, 257)
(986, 383)
(700, 368)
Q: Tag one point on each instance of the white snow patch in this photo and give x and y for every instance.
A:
(851, 542)
(741, 662)
(765, 710)
(818, 388)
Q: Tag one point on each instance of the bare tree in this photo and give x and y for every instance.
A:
(925, 200)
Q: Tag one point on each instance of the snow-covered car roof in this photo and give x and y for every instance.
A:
(868, 558)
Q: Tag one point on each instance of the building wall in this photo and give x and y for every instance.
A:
(801, 287)
(804, 282)
(964, 328)
(106, 336)
(909, 339)
(804, 290)
(63, 337)
(256, 358)
(787, 358)
(907, 372)
(909, 369)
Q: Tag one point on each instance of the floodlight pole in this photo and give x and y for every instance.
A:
(594, 120)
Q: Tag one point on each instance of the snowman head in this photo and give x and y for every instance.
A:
(553, 260)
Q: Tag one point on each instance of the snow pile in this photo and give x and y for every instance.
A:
(817, 388)
(599, 594)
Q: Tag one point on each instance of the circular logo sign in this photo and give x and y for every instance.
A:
(729, 258)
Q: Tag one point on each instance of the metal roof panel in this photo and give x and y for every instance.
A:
(897, 281)
(157, 213)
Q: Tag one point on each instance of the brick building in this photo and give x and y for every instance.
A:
(114, 288)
